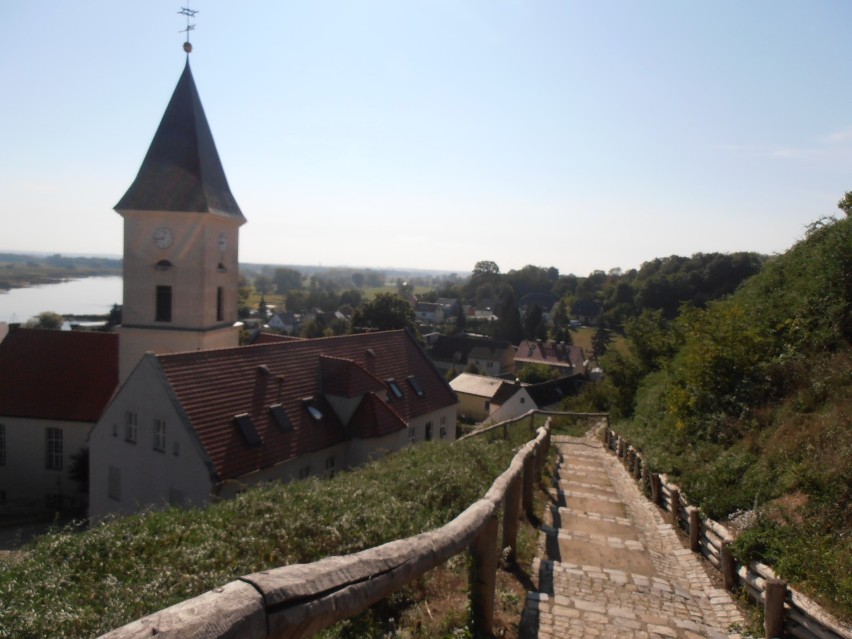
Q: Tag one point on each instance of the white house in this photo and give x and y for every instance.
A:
(54, 385)
(488, 399)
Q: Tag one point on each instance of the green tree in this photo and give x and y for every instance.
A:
(386, 311)
(287, 279)
(509, 319)
(47, 319)
(845, 203)
(536, 373)
(460, 320)
(534, 326)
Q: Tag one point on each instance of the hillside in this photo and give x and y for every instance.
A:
(81, 584)
(746, 404)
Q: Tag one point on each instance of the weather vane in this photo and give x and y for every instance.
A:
(189, 13)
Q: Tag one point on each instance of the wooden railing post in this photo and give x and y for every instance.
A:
(511, 516)
(484, 578)
(656, 488)
(532, 423)
(637, 467)
(539, 459)
(674, 516)
(694, 529)
(775, 594)
(529, 482)
(728, 566)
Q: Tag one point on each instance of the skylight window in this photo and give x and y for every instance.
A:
(395, 389)
(313, 408)
(415, 386)
(247, 429)
(280, 417)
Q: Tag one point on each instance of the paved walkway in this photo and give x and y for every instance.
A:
(611, 567)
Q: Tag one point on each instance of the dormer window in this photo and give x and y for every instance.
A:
(280, 417)
(395, 389)
(313, 409)
(163, 265)
(415, 386)
(221, 268)
(247, 429)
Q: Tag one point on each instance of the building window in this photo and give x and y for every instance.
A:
(313, 408)
(54, 448)
(523, 400)
(176, 448)
(53, 501)
(130, 427)
(2, 497)
(164, 304)
(114, 429)
(304, 472)
(428, 434)
(415, 385)
(412, 434)
(2, 444)
(487, 404)
(395, 389)
(443, 429)
(160, 435)
(330, 466)
(220, 304)
(114, 483)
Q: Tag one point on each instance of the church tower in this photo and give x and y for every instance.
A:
(181, 232)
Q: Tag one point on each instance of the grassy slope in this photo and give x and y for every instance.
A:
(81, 584)
(757, 419)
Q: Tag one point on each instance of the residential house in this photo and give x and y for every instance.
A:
(567, 359)
(429, 312)
(190, 427)
(587, 312)
(489, 399)
(456, 352)
(54, 386)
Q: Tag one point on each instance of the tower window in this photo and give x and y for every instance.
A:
(164, 304)
(220, 306)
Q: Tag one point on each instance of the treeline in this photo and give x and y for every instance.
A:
(746, 402)
(20, 270)
(533, 302)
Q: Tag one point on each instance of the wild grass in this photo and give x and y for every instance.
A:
(69, 584)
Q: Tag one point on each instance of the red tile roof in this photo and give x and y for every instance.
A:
(568, 357)
(214, 386)
(63, 375)
(374, 418)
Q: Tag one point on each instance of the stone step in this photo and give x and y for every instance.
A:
(572, 520)
(594, 601)
(597, 550)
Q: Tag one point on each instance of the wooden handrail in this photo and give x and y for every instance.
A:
(301, 599)
(799, 616)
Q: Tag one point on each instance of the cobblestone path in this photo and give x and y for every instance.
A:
(610, 566)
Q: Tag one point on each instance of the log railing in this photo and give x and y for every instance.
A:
(787, 612)
(301, 599)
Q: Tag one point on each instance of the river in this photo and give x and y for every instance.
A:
(85, 296)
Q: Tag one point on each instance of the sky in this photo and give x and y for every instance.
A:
(437, 133)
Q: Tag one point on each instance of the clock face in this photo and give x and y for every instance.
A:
(223, 242)
(163, 237)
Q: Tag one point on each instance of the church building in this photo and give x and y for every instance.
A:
(197, 417)
(181, 231)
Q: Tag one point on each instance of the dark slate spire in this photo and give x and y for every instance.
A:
(182, 170)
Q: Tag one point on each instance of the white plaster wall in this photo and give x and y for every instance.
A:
(316, 463)
(148, 476)
(515, 406)
(25, 478)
